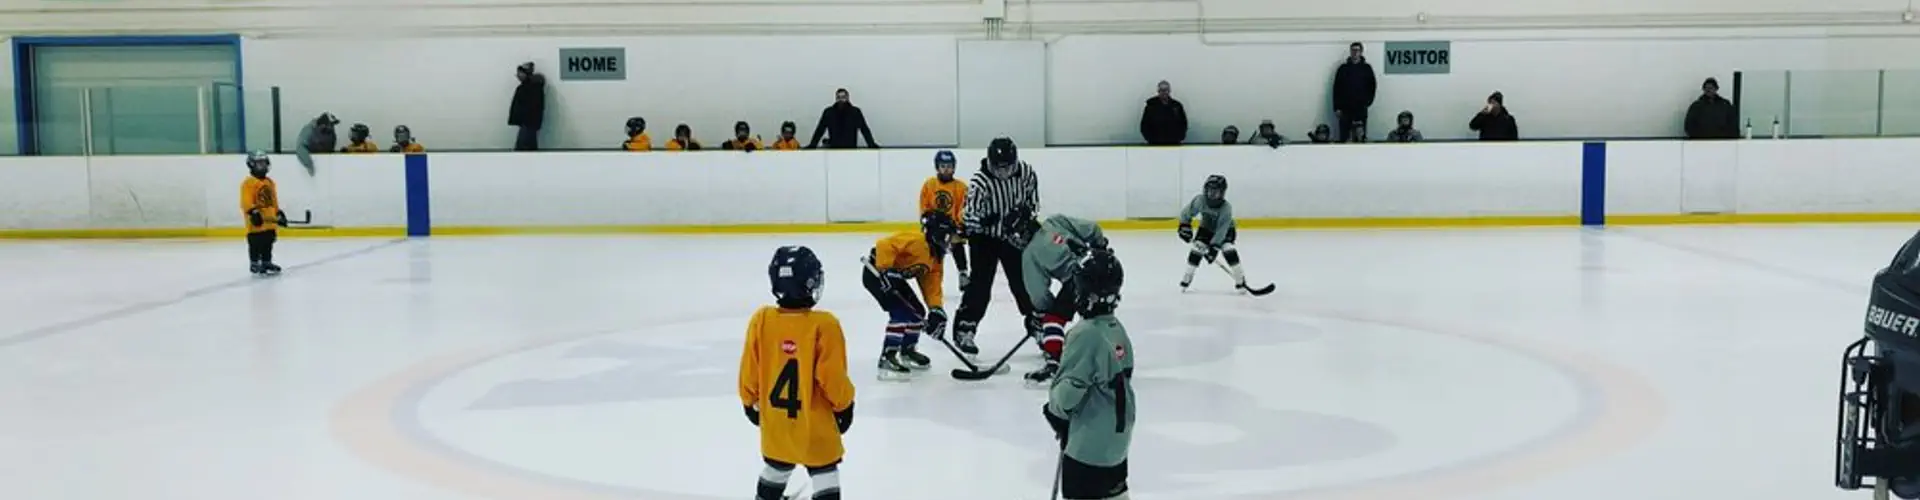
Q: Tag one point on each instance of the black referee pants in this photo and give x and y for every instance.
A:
(989, 253)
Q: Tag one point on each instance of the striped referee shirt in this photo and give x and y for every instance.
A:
(991, 198)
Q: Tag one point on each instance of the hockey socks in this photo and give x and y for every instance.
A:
(1053, 335)
(773, 482)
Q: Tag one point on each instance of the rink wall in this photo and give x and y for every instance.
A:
(1379, 185)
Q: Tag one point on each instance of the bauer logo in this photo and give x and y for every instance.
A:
(1890, 320)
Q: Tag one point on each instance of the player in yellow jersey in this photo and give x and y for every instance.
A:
(361, 140)
(942, 193)
(404, 142)
(793, 379)
(260, 204)
(895, 258)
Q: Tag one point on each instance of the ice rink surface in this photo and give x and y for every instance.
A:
(1494, 364)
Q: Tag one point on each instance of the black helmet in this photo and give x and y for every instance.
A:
(797, 276)
(938, 228)
(1098, 282)
(741, 128)
(360, 132)
(636, 125)
(1002, 153)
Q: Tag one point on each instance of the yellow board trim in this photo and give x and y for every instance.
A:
(881, 227)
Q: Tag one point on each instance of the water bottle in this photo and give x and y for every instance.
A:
(1776, 127)
(1749, 129)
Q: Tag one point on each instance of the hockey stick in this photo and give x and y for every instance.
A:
(1059, 469)
(306, 222)
(1257, 292)
(998, 368)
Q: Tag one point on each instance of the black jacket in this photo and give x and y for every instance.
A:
(1353, 86)
(529, 108)
(1713, 117)
(839, 123)
(1496, 126)
(1164, 123)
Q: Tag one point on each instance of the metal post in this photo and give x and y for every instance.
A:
(200, 95)
(86, 121)
(1787, 108)
(1880, 107)
(276, 121)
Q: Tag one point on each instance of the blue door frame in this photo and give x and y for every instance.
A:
(23, 72)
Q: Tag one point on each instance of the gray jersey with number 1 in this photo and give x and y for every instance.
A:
(1094, 391)
(1054, 252)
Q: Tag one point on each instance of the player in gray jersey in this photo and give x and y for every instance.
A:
(1217, 232)
(1052, 252)
(1091, 403)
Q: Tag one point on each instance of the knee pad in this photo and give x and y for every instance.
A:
(1233, 258)
(1193, 258)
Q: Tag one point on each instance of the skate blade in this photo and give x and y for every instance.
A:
(889, 376)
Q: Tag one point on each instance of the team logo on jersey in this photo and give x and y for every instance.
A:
(943, 201)
(1059, 240)
(917, 270)
(263, 196)
(787, 346)
(1119, 352)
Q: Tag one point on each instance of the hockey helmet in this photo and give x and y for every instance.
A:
(403, 135)
(636, 125)
(258, 162)
(1002, 154)
(1098, 282)
(360, 132)
(1215, 189)
(798, 278)
(1880, 381)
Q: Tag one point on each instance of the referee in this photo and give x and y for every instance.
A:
(1004, 191)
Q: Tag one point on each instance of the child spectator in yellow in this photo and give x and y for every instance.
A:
(786, 141)
(683, 139)
(360, 135)
(260, 208)
(403, 141)
(637, 138)
(742, 139)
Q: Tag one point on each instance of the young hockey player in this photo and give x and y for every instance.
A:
(743, 139)
(637, 138)
(361, 140)
(894, 259)
(260, 207)
(1003, 184)
(1091, 405)
(1053, 252)
(1217, 232)
(942, 193)
(403, 142)
(793, 379)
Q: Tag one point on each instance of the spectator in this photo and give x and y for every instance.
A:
(403, 141)
(1321, 134)
(1353, 89)
(683, 139)
(1494, 122)
(742, 141)
(786, 142)
(839, 122)
(1405, 131)
(1712, 116)
(529, 108)
(360, 140)
(1230, 135)
(1164, 121)
(316, 136)
(637, 138)
(1267, 135)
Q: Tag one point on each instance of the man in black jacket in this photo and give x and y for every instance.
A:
(529, 108)
(1494, 122)
(1164, 122)
(1353, 88)
(1712, 116)
(839, 122)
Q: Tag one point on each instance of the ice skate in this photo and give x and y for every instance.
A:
(911, 358)
(963, 340)
(256, 269)
(1187, 280)
(891, 369)
(269, 268)
(1043, 377)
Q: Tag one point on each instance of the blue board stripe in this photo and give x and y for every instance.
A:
(1593, 184)
(419, 208)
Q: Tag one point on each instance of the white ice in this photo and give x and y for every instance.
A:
(1496, 364)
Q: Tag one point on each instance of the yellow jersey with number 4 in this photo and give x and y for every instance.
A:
(794, 369)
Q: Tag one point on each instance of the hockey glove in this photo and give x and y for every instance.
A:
(753, 415)
(280, 219)
(844, 418)
(1186, 232)
(936, 323)
(1058, 423)
(253, 216)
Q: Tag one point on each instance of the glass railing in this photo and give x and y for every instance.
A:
(1850, 103)
(138, 120)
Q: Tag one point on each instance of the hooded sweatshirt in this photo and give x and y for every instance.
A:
(1404, 131)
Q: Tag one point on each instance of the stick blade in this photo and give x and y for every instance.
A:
(1262, 291)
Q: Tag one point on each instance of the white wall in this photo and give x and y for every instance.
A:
(812, 187)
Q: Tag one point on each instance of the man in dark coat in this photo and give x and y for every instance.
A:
(1164, 121)
(840, 122)
(1353, 88)
(529, 108)
(1712, 116)
(1494, 122)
